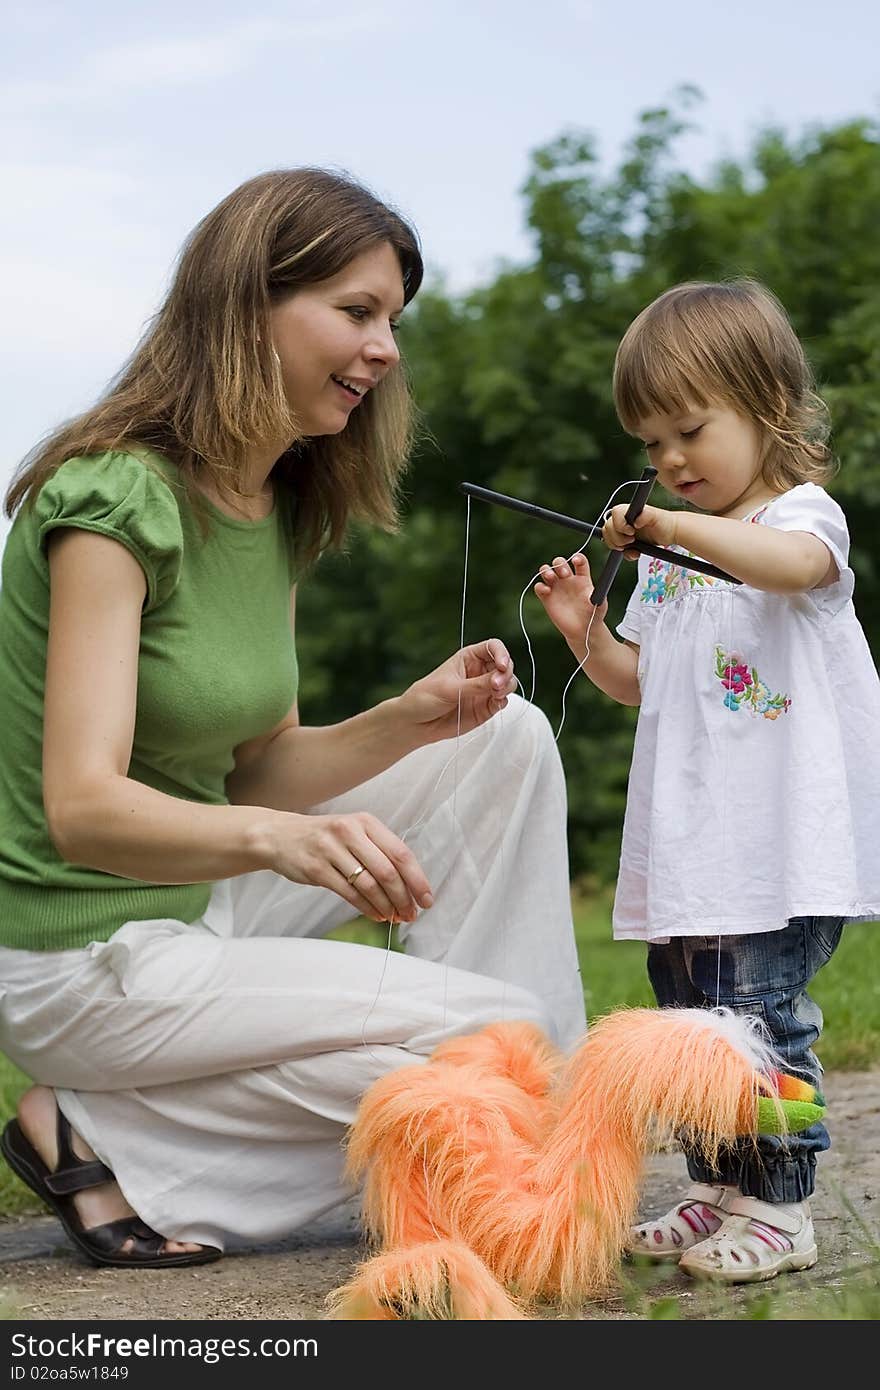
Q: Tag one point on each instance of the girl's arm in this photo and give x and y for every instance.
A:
(100, 817)
(564, 589)
(780, 562)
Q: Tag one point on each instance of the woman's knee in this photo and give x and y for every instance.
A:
(525, 734)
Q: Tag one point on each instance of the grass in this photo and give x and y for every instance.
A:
(847, 990)
(15, 1198)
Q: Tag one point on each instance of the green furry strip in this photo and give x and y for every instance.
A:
(786, 1116)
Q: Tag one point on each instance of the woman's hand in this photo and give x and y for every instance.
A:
(354, 855)
(652, 524)
(463, 693)
(564, 589)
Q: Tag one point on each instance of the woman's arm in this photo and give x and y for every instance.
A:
(293, 767)
(100, 817)
(96, 814)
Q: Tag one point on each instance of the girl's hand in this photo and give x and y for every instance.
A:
(652, 524)
(327, 850)
(466, 691)
(564, 589)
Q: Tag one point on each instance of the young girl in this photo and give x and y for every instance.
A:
(174, 843)
(752, 822)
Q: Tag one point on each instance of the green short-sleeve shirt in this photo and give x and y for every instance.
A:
(217, 666)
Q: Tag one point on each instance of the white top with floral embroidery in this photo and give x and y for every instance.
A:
(754, 792)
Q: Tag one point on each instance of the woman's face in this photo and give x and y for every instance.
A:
(335, 339)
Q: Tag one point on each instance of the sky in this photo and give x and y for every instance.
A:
(124, 124)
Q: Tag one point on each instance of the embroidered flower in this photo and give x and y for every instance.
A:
(662, 582)
(736, 677)
(654, 589)
(745, 689)
(665, 578)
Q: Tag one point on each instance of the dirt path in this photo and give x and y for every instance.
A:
(42, 1278)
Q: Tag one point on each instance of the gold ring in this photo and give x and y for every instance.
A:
(350, 878)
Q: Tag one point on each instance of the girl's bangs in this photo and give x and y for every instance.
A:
(661, 378)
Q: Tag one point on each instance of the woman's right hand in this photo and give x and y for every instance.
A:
(326, 850)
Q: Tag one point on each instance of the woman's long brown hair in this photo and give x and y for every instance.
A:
(203, 385)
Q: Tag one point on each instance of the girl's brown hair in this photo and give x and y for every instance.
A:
(732, 342)
(204, 384)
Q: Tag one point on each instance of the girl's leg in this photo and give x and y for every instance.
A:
(767, 974)
(747, 1218)
(702, 1208)
(769, 1228)
(668, 974)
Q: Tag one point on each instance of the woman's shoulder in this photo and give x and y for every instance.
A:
(127, 495)
(112, 473)
(103, 483)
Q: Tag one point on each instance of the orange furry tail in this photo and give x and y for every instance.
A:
(692, 1070)
(496, 1165)
(516, 1050)
(473, 1114)
(439, 1279)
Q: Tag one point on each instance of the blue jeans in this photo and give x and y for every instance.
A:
(766, 974)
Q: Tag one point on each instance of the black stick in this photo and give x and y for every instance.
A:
(501, 500)
(615, 558)
(573, 523)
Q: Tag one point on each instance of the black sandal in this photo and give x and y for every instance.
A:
(100, 1244)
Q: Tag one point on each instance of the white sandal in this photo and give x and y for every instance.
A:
(700, 1213)
(756, 1241)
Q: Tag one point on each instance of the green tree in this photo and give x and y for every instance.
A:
(514, 382)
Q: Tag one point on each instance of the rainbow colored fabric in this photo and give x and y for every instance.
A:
(789, 1106)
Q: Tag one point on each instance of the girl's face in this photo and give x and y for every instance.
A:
(708, 455)
(335, 339)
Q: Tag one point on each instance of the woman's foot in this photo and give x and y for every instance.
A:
(689, 1222)
(95, 1206)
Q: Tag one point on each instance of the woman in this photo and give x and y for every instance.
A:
(174, 844)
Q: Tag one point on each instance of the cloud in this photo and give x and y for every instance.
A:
(584, 11)
(32, 18)
(137, 65)
(71, 218)
(60, 313)
(46, 186)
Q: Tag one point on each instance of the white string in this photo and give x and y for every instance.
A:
(728, 655)
(580, 666)
(593, 529)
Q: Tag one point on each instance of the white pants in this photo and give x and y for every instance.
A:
(215, 1065)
